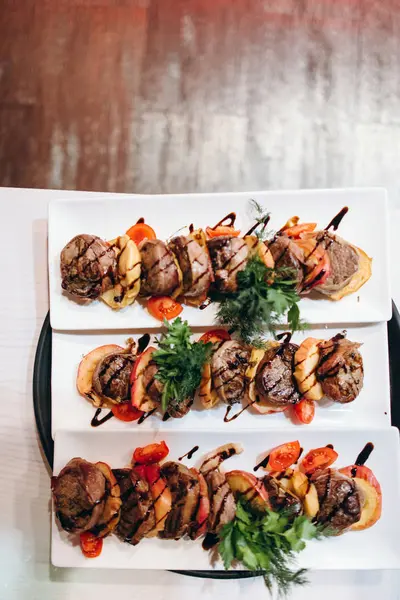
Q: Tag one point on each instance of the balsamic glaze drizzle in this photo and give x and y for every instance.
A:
(189, 454)
(230, 218)
(337, 219)
(210, 541)
(143, 342)
(146, 415)
(229, 408)
(141, 220)
(262, 464)
(95, 422)
(364, 454)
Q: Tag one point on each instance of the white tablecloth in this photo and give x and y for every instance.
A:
(25, 570)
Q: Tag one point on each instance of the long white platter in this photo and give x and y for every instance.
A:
(374, 548)
(371, 408)
(365, 225)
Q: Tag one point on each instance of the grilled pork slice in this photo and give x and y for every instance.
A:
(111, 376)
(137, 512)
(340, 370)
(194, 262)
(287, 255)
(339, 500)
(344, 260)
(275, 383)
(88, 267)
(280, 498)
(228, 257)
(228, 368)
(79, 493)
(185, 489)
(161, 275)
(222, 501)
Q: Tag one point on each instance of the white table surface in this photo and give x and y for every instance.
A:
(25, 570)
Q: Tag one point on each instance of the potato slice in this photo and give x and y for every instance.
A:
(306, 361)
(299, 484)
(311, 502)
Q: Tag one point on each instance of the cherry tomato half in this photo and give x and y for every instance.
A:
(140, 232)
(305, 411)
(91, 545)
(163, 307)
(319, 458)
(298, 230)
(126, 412)
(152, 453)
(283, 456)
(214, 336)
(222, 230)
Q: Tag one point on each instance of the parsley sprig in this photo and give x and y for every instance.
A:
(267, 542)
(263, 297)
(180, 362)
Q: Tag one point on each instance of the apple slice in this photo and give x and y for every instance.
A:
(370, 494)
(199, 527)
(208, 396)
(112, 508)
(160, 493)
(247, 486)
(306, 361)
(139, 397)
(87, 366)
(306, 492)
(257, 247)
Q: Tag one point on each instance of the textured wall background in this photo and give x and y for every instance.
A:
(199, 95)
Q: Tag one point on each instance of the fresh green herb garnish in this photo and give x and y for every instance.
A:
(264, 295)
(261, 217)
(180, 362)
(267, 542)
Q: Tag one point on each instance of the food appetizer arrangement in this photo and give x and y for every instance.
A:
(260, 522)
(256, 278)
(140, 380)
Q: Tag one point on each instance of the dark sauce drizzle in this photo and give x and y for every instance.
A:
(230, 218)
(210, 541)
(141, 220)
(191, 227)
(229, 408)
(189, 454)
(364, 454)
(264, 222)
(143, 342)
(262, 464)
(206, 303)
(146, 415)
(337, 219)
(96, 422)
(329, 446)
(286, 336)
(166, 417)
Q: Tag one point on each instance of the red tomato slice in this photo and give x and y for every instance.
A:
(91, 545)
(140, 232)
(152, 453)
(215, 335)
(298, 230)
(163, 307)
(126, 412)
(305, 411)
(281, 457)
(222, 230)
(320, 458)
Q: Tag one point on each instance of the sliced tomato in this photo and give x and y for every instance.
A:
(214, 336)
(91, 545)
(126, 412)
(283, 456)
(152, 453)
(320, 458)
(222, 230)
(163, 307)
(305, 411)
(296, 231)
(140, 232)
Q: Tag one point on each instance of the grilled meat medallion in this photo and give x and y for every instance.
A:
(79, 493)
(112, 375)
(153, 386)
(344, 261)
(222, 501)
(195, 265)
(228, 368)
(160, 273)
(287, 255)
(88, 267)
(274, 378)
(185, 489)
(137, 511)
(340, 370)
(279, 498)
(339, 499)
(228, 257)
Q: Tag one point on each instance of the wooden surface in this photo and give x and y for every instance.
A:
(199, 95)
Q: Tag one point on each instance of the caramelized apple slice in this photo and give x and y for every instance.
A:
(199, 527)
(306, 361)
(87, 366)
(247, 486)
(139, 397)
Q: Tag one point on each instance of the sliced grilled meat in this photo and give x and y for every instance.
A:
(222, 501)
(279, 498)
(274, 379)
(111, 376)
(88, 267)
(288, 255)
(344, 261)
(339, 500)
(160, 273)
(79, 493)
(228, 367)
(153, 386)
(137, 511)
(340, 370)
(185, 489)
(228, 257)
(195, 265)
(177, 410)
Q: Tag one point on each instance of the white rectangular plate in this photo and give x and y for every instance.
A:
(374, 548)
(365, 226)
(372, 407)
